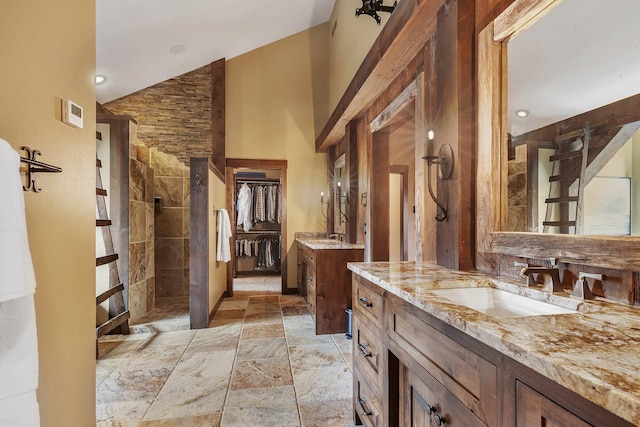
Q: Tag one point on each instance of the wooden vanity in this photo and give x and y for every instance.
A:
(435, 364)
(325, 282)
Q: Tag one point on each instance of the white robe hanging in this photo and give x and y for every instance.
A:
(223, 252)
(243, 206)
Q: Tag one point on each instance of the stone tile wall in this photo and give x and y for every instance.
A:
(171, 183)
(141, 234)
(517, 190)
(173, 116)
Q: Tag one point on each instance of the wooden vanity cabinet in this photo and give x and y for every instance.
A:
(325, 282)
(412, 369)
(369, 356)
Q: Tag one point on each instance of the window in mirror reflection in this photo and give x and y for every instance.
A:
(574, 157)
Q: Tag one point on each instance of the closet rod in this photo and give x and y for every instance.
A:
(258, 232)
(244, 181)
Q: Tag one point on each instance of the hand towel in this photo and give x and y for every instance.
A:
(16, 270)
(224, 233)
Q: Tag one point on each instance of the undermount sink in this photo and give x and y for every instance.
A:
(501, 304)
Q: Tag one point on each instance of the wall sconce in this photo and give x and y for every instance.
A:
(371, 7)
(445, 161)
(342, 201)
(324, 208)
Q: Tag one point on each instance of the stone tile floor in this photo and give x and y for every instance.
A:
(258, 364)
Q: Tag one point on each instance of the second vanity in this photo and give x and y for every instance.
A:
(423, 356)
(324, 280)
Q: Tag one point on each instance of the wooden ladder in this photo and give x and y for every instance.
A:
(118, 314)
(567, 182)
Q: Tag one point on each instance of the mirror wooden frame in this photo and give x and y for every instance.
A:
(621, 253)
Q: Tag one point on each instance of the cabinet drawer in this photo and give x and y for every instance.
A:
(366, 402)
(368, 302)
(308, 256)
(470, 378)
(368, 354)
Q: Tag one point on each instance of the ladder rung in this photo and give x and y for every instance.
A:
(559, 223)
(98, 136)
(106, 259)
(575, 134)
(98, 163)
(101, 192)
(109, 293)
(103, 222)
(567, 155)
(562, 199)
(111, 324)
(556, 178)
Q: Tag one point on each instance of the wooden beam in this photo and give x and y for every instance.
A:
(610, 150)
(410, 26)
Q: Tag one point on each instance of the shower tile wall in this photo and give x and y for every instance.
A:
(171, 183)
(141, 234)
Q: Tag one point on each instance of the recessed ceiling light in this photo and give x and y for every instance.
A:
(100, 79)
(177, 49)
(522, 113)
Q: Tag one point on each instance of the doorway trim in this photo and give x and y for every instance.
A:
(409, 103)
(403, 171)
(280, 165)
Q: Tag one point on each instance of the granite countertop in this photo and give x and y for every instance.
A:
(594, 352)
(316, 243)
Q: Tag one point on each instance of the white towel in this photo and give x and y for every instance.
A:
(224, 233)
(18, 338)
(16, 270)
(18, 363)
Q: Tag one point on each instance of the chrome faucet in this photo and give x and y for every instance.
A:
(551, 278)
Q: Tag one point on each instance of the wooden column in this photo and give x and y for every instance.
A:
(199, 244)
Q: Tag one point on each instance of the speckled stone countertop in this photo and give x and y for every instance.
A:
(324, 243)
(595, 352)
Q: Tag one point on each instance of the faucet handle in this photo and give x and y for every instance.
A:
(594, 276)
(581, 290)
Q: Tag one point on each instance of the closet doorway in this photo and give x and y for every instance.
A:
(256, 193)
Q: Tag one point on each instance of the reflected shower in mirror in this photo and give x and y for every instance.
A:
(573, 121)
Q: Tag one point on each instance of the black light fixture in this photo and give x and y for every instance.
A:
(372, 7)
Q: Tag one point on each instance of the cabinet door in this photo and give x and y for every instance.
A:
(426, 402)
(533, 409)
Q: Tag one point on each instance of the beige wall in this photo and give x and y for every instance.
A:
(217, 270)
(41, 62)
(274, 96)
(349, 44)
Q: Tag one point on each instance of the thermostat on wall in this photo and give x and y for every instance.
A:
(72, 113)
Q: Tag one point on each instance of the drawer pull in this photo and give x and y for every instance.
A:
(363, 405)
(365, 302)
(441, 419)
(363, 347)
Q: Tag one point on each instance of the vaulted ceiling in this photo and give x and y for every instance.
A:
(140, 43)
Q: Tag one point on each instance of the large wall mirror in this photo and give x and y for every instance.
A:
(574, 144)
(558, 131)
